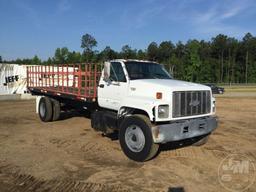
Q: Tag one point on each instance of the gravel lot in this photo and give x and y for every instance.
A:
(67, 155)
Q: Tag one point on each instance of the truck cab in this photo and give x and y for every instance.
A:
(144, 93)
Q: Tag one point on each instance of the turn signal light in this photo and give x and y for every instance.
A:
(159, 95)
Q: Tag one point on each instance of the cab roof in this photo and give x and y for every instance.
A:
(132, 60)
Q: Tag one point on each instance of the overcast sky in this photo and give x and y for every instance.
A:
(38, 27)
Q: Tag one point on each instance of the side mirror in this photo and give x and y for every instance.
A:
(106, 74)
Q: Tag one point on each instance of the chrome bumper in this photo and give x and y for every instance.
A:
(184, 129)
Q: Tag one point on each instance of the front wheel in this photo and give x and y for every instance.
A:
(135, 138)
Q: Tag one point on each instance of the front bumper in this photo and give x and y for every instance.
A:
(184, 129)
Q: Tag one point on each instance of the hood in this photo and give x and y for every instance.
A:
(167, 84)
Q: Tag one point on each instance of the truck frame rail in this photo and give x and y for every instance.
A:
(78, 81)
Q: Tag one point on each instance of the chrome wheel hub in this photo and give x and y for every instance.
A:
(134, 138)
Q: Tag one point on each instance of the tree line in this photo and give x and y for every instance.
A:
(223, 59)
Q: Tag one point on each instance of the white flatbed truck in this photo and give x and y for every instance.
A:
(138, 99)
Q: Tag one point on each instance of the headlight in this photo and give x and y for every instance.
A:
(163, 111)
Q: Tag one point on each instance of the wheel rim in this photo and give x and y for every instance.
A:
(134, 138)
(42, 109)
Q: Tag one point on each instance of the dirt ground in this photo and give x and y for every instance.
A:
(67, 155)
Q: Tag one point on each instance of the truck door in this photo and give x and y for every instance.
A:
(111, 93)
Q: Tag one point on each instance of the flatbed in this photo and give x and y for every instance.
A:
(75, 81)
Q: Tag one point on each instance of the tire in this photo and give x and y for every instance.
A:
(45, 109)
(202, 141)
(135, 138)
(56, 109)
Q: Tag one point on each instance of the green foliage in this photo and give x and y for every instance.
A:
(61, 55)
(88, 42)
(141, 55)
(152, 51)
(194, 61)
(36, 60)
(108, 54)
(73, 57)
(222, 60)
(127, 52)
(165, 51)
(1, 59)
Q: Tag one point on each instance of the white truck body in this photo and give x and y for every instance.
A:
(141, 101)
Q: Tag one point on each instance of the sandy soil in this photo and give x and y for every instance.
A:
(68, 155)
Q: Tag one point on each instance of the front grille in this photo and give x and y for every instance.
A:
(189, 103)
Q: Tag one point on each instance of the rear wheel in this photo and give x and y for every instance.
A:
(45, 109)
(136, 138)
(56, 109)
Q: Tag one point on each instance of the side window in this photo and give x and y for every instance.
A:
(117, 72)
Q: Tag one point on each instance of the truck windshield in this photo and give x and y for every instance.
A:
(145, 70)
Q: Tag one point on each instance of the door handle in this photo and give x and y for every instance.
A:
(115, 83)
(101, 85)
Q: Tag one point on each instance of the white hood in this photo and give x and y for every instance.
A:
(167, 84)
